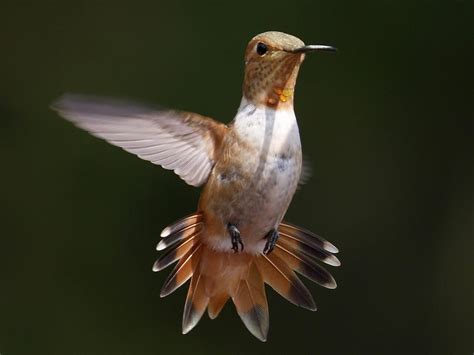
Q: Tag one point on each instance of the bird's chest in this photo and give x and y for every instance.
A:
(260, 171)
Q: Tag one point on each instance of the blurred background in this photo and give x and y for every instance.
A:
(387, 124)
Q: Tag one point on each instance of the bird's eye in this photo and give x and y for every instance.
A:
(261, 48)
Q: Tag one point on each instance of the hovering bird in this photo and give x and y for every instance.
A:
(249, 170)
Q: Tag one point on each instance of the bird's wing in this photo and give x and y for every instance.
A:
(184, 142)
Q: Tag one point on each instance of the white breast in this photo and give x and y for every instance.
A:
(274, 158)
(267, 128)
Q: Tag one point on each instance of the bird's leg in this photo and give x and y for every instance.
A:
(272, 238)
(235, 238)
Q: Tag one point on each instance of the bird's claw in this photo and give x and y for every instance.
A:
(272, 238)
(235, 238)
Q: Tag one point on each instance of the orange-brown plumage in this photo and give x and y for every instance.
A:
(236, 241)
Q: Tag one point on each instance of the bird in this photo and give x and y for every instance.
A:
(236, 241)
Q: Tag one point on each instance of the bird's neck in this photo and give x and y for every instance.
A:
(251, 111)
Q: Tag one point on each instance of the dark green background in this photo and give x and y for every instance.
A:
(387, 124)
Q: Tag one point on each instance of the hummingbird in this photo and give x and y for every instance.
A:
(249, 170)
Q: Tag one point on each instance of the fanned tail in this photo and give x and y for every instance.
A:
(217, 276)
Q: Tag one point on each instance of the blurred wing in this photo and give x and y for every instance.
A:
(306, 172)
(184, 142)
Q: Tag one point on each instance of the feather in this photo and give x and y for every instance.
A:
(181, 224)
(164, 137)
(216, 303)
(283, 280)
(306, 172)
(183, 270)
(291, 243)
(251, 303)
(188, 232)
(306, 237)
(174, 253)
(305, 266)
(196, 303)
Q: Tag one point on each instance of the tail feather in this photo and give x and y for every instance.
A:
(181, 224)
(251, 303)
(305, 266)
(283, 280)
(306, 237)
(178, 238)
(183, 270)
(196, 303)
(312, 252)
(174, 253)
(216, 303)
(217, 276)
(183, 234)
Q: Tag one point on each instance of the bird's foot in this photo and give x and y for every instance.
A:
(235, 238)
(272, 238)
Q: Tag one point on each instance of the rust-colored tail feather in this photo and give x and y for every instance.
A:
(283, 280)
(183, 270)
(251, 303)
(196, 303)
(217, 276)
(175, 253)
(305, 266)
(216, 304)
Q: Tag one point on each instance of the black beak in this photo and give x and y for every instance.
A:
(314, 48)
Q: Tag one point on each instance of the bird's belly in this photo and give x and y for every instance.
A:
(261, 206)
(254, 198)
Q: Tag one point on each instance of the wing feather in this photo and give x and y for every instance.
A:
(165, 137)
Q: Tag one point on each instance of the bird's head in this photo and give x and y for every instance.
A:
(272, 61)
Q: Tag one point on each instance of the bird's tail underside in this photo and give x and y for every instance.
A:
(217, 276)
